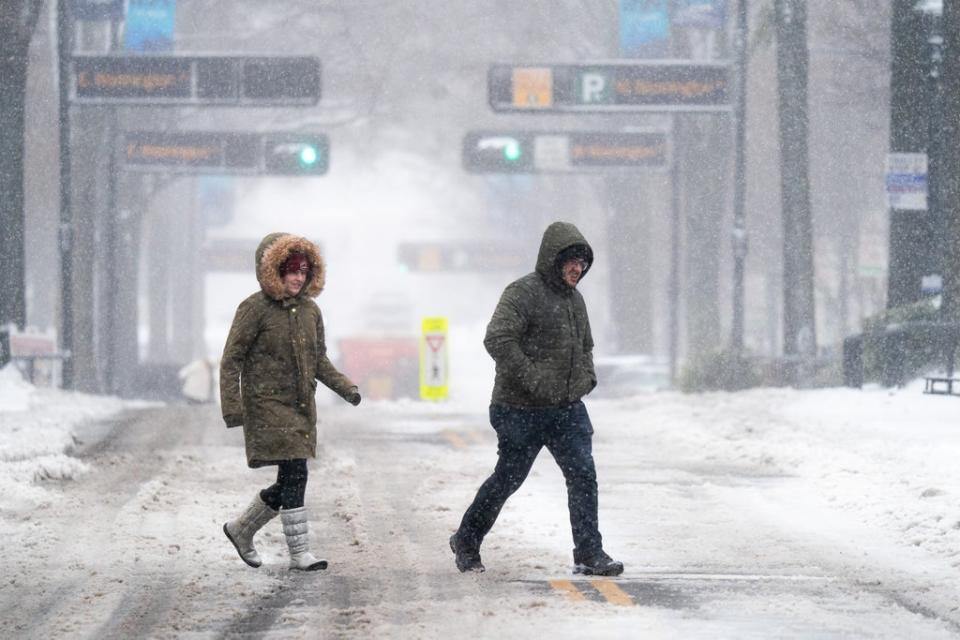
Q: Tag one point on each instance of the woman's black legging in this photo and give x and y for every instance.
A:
(291, 485)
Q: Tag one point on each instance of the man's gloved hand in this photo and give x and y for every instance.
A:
(353, 396)
(233, 420)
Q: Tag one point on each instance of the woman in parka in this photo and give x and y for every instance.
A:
(274, 355)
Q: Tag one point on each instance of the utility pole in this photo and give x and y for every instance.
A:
(739, 234)
(799, 322)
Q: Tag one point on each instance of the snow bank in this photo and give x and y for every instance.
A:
(38, 428)
(882, 458)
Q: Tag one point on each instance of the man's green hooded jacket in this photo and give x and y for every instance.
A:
(539, 335)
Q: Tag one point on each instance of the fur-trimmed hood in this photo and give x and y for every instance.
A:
(274, 251)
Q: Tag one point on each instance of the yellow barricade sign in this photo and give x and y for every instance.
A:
(433, 359)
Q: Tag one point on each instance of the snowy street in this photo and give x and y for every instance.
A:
(270, 270)
(770, 513)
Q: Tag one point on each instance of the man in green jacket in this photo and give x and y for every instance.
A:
(540, 338)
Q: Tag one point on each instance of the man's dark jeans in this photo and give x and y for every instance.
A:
(521, 433)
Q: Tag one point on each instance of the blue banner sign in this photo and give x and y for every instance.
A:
(150, 25)
(644, 28)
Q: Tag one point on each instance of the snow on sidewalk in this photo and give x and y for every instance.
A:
(38, 426)
(887, 456)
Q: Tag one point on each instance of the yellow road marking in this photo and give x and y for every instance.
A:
(454, 439)
(568, 588)
(613, 593)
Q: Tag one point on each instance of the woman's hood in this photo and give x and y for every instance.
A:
(274, 251)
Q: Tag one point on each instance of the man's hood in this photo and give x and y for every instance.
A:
(274, 250)
(558, 237)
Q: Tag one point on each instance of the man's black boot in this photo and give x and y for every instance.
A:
(467, 559)
(596, 563)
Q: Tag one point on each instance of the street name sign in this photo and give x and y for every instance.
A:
(610, 86)
(158, 80)
(564, 151)
(906, 181)
(227, 152)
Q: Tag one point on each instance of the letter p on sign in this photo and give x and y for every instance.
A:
(593, 88)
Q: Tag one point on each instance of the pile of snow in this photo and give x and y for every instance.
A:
(885, 458)
(14, 391)
(37, 431)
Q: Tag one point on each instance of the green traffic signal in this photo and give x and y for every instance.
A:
(308, 155)
(296, 154)
(512, 151)
(499, 152)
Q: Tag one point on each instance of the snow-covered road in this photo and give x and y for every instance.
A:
(770, 513)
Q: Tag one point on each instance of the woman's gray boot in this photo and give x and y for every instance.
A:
(297, 531)
(241, 531)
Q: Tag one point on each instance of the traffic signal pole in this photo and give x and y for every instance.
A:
(739, 234)
(673, 289)
(64, 45)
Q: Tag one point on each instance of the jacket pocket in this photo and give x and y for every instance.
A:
(583, 385)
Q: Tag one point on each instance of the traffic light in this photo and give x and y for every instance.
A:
(488, 152)
(296, 155)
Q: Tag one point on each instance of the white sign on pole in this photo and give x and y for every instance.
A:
(906, 183)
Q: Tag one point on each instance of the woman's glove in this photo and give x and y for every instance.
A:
(353, 396)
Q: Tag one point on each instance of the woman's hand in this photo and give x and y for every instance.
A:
(353, 396)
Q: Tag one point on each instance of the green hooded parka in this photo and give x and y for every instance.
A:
(274, 355)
